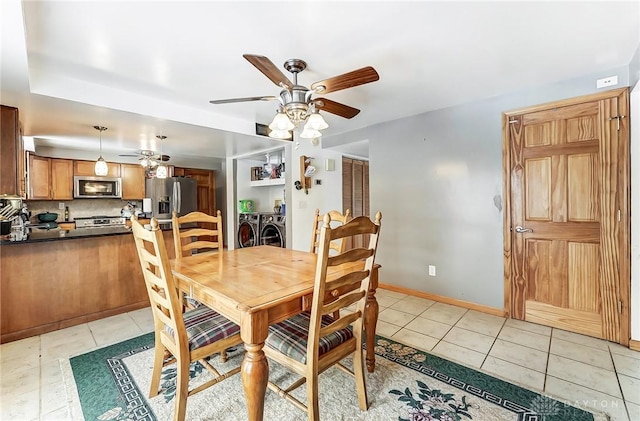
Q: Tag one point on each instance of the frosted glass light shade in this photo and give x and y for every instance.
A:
(101, 167)
(280, 134)
(309, 133)
(281, 123)
(316, 122)
(161, 171)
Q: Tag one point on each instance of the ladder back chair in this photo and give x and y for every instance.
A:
(311, 342)
(191, 239)
(187, 337)
(337, 245)
(194, 238)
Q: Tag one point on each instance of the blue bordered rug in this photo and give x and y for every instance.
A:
(112, 383)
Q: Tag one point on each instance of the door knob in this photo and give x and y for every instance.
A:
(520, 229)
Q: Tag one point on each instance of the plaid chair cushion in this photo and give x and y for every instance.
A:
(192, 302)
(206, 326)
(290, 336)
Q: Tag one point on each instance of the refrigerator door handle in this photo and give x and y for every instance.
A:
(177, 194)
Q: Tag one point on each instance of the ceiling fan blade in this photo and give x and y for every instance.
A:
(336, 108)
(250, 98)
(348, 80)
(269, 69)
(129, 154)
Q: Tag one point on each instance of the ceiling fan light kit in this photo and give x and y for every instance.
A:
(101, 168)
(296, 103)
(161, 170)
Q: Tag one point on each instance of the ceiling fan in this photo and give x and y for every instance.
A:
(149, 158)
(296, 102)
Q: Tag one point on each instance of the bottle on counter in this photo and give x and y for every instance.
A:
(66, 213)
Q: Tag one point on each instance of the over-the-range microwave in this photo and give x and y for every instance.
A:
(87, 187)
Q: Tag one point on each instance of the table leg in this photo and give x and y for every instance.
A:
(255, 367)
(371, 319)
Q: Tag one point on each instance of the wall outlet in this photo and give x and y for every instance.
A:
(432, 270)
(317, 182)
(607, 81)
(61, 205)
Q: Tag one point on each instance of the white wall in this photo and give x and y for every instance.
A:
(437, 178)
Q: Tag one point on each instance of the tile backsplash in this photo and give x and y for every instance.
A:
(80, 208)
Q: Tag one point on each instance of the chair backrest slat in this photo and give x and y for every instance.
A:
(206, 235)
(331, 294)
(336, 217)
(343, 301)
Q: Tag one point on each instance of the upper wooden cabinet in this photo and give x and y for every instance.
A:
(12, 158)
(133, 181)
(88, 168)
(61, 179)
(50, 178)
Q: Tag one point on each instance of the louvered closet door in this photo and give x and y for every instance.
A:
(355, 191)
(565, 200)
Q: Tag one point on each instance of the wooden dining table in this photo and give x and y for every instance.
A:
(256, 287)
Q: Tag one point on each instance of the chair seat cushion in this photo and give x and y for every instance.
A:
(206, 326)
(290, 336)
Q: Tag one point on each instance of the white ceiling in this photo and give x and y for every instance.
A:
(143, 68)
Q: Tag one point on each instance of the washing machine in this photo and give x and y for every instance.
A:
(248, 230)
(273, 230)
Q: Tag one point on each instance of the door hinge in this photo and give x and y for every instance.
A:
(513, 120)
(617, 118)
(620, 306)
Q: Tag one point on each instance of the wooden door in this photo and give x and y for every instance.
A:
(355, 193)
(61, 179)
(567, 228)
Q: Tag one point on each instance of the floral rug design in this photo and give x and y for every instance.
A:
(112, 383)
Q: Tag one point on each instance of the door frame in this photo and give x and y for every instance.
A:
(624, 180)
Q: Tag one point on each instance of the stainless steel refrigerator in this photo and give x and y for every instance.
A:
(169, 194)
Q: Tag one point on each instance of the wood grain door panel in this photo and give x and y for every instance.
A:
(567, 183)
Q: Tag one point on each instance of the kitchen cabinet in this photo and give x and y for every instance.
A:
(12, 158)
(61, 179)
(133, 181)
(50, 178)
(39, 178)
(88, 168)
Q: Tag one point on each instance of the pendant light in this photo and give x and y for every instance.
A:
(161, 171)
(101, 167)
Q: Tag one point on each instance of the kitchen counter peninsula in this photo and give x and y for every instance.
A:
(57, 278)
(35, 235)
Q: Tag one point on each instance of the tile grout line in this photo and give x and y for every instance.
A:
(495, 339)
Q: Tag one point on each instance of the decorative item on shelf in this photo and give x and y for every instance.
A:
(161, 169)
(256, 173)
(306, 171)
(101, 167)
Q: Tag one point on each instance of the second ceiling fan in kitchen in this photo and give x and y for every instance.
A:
(296, 102)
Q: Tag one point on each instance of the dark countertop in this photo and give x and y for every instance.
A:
(37, 235)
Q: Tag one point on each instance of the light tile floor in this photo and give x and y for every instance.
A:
(579, 369)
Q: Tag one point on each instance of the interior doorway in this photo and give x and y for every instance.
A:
(566, 222)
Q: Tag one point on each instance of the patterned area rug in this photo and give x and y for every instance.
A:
(112, 383)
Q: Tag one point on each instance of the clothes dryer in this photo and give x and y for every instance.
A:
(248, 230)
(273, 230)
